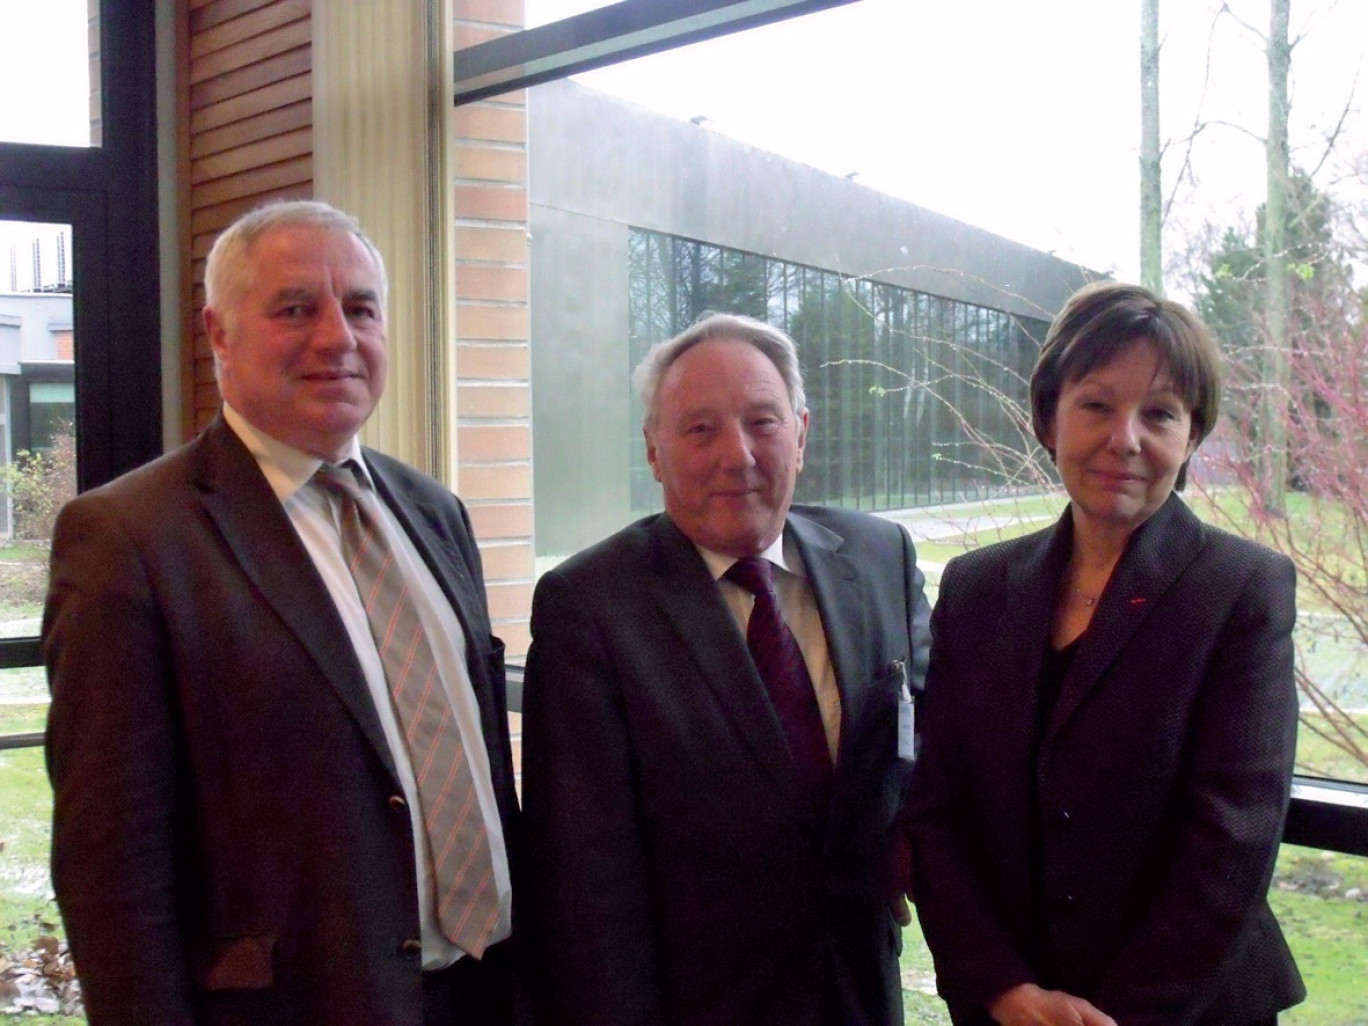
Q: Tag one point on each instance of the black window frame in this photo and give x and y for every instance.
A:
(108, 194)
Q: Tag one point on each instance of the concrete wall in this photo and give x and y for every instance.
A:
(32, 323)
(599, 166)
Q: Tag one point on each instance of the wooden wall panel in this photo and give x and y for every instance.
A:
(245, 97)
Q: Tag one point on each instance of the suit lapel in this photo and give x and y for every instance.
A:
(840, 601)
(843, 604)
(1157, 553)
(688, 596)
(255, 527)
(423, 523)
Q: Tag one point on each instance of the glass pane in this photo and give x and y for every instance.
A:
(1321, 901)
(37, 411)
(539, 12)
(916, 227)
(35, 969)
(50, 77)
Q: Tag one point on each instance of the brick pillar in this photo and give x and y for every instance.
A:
(492, 358)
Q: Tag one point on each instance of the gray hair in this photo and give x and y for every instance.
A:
(226, 268)
(713, 327)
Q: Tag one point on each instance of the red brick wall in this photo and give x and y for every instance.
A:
(493, 362)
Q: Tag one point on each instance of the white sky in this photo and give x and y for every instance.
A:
(44, 73)
(1019, 117)
(44, 98)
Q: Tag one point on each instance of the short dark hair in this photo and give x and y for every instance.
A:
(1101, 320)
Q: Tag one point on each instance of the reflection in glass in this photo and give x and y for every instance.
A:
(37, 412)
(541, 12)
(884, 372)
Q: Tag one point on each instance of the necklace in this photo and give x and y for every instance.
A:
(1087, 600)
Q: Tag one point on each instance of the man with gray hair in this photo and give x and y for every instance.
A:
(718, 724)
(278, 740)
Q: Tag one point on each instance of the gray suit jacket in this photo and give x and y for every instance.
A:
(676, 875)
(1159, 782)
(226, 848)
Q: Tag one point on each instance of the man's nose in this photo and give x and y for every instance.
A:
(734, 447)
(332, 329)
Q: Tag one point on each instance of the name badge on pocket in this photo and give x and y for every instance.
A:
(906, 717)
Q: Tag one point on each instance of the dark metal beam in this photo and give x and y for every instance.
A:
(33, 739)
(1328, 814)
(15, 652)
(608, 35)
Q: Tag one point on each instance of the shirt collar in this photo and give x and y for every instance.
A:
(719, 564)
(285, 468)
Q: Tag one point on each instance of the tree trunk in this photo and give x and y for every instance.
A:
(1273, 410)
(1151, 204)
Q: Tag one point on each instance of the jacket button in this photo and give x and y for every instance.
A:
(1062, 818)
(411, 948)
(397, 802)
(1064, 902)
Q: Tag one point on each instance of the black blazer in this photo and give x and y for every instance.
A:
(676, 876)
(1162, 776)
(224, 845)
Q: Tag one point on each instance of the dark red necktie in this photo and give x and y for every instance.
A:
(780, 664)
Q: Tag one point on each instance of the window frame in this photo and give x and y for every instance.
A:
(108, 195)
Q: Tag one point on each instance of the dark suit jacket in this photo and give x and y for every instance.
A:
(676, 875)
(226, 848)
(1162, 778)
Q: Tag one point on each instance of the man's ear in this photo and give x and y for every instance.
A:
(802, 436)
(646, 433)
(215, 329)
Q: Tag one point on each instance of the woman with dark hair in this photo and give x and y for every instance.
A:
(1110, 716)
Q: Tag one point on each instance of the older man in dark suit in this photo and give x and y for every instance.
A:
(278, 743)
(712, 760)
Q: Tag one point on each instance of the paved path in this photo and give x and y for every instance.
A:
(942, 523)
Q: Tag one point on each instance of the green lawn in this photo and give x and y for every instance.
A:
(27, 910)
(1318, 756)
(21, 719)
(1328, 933)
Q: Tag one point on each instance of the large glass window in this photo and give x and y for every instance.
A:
(913, 197)
(912, 190)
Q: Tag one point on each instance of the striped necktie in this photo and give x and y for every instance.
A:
(467, 904)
